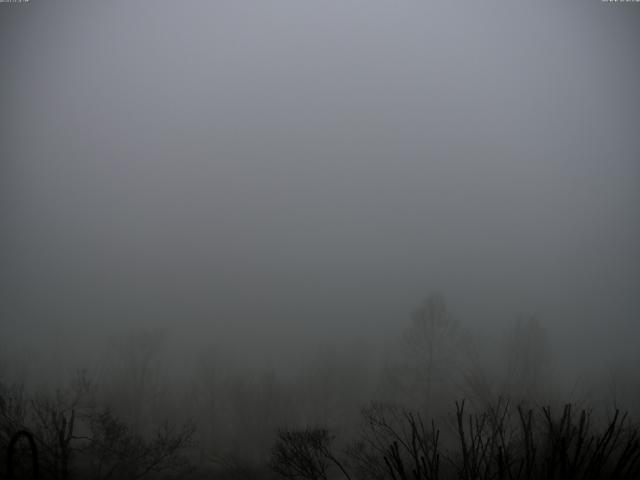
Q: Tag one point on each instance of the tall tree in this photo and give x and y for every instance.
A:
(434, 343)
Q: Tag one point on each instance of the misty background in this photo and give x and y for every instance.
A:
(270, 179)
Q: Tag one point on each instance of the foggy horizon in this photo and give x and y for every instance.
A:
(269, 183)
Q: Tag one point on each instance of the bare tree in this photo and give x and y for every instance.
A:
(76, 438)
(305, 454)
(434, 343)
(116, 451)
(501, 442)
(395, 443)
(53, 418)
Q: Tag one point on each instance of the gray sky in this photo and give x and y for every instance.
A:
(265, 175)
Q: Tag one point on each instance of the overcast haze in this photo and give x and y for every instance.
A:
(273, 176)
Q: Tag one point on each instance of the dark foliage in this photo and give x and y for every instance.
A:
(501, 443)
(74, 439)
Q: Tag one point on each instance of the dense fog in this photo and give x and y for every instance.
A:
(250, 220)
